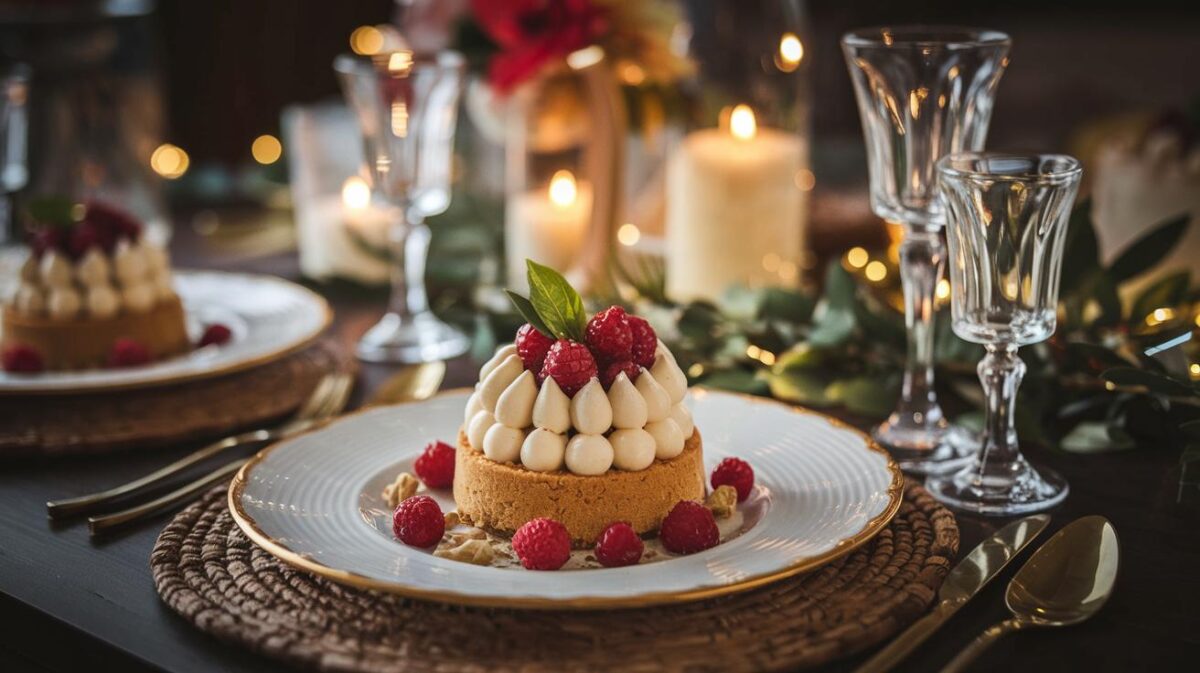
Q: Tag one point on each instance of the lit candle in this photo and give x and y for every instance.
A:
(344, 235)
(735, 208)
(548, 225)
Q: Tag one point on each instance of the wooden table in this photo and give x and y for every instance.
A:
(70, 603)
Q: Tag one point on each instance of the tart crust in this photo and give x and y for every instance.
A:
(502, 496)
(83, 343)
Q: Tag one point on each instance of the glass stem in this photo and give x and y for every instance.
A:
(408, 242)
(921, 257)
(1000, 372)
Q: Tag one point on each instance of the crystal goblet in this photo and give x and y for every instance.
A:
(1007, 221)
(923, 92)
(407, 108)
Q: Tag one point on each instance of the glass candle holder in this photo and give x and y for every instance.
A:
(922, 92)
(737, 183)
(1007, 220)
(407, 107)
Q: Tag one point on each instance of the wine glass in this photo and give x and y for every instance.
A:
(923, 92)
(407, 107)
(1008, 218)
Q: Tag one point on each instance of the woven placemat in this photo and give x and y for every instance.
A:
(101, 422)
(211, 574)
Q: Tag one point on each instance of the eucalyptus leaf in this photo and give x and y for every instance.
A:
(737, 380)
(800, 387)
(1156, 383)
(865, 396)
(785, 305)
(1149, 250)
(1168, 291)
(558, 304)
(834, 320)
(1081, 253)
(529, 313)
(1093, 437)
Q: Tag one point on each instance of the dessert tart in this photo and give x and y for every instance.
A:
(92, 286)
(580, 421)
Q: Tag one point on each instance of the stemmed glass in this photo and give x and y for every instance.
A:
(922, 92)
(407, 107)
(1008, 218)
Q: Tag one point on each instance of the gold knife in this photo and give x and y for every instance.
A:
(964, 581)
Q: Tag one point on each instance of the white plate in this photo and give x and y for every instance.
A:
(315, 502)
(269, 317)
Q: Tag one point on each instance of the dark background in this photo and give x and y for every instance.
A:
(229, 66)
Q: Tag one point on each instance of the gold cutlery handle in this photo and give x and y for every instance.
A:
(84, 504)
(976, 647)
(99, 524)
(903, 645)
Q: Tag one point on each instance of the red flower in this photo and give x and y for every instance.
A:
(531, 33)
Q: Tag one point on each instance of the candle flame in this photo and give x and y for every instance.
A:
(356, 194)
(742, 123)
(562, 188)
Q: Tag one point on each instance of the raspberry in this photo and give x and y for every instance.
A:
(619, 545)
(542, 544)
(418, 521)
(645, 341)
(736, 473)
(84, 237)
(111, 218)
(688, 528)
(570, 364)
(435, 465)
(608, 335)
(47, 239)
(532, 347)
(22, 358)
(128, 352)
(610, 372)
(215, 334)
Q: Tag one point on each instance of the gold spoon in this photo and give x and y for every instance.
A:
(410, 384)
(1065, 582)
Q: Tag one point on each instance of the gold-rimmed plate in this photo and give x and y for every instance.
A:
(315, 502)
(268, 316)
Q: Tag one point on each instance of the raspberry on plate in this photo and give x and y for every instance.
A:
(22, 358)
(736, 473)
(215, 334)
(619, 545)
(570, 364)
(609, 336)
(609, 374)
(645, 341)
(542, 544)
(532, 347)
(128, 352)
(688, 528)
(435, 465)
(418, 521)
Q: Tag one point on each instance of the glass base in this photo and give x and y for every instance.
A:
(411, 340)
(936, 449)
(1020, 490)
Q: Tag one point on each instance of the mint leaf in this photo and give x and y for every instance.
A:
(525, 308)
(556, 302)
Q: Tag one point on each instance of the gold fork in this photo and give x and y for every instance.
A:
(334, 400)
(309, 411)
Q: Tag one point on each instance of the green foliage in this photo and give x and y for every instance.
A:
(552, 299)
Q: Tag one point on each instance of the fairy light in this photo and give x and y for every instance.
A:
(696, 370)
(399, 63)
(1194, 369)
(586, 57)
(266, 149)
(366, 40)
(629, 234)
(943, 289)
(876, 271)
(1159, 316)
(169, 161)
(857, 257)
(356, 193)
